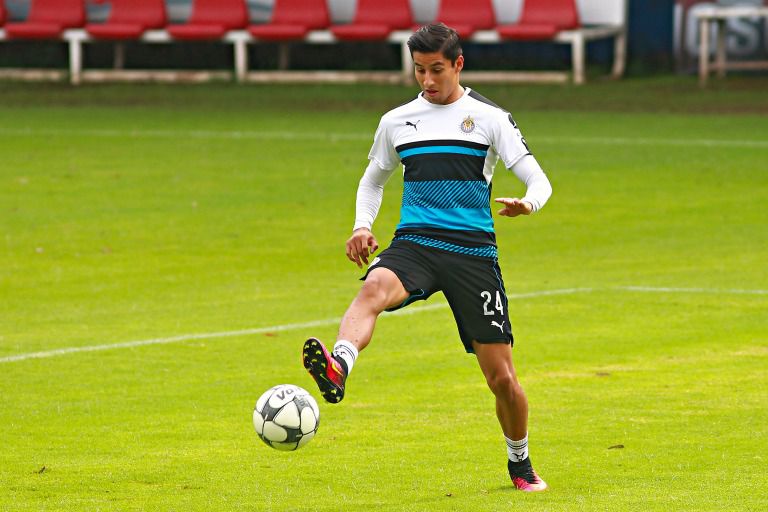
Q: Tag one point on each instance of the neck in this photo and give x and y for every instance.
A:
(457, 93)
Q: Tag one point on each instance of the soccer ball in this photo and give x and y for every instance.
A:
(286, 417)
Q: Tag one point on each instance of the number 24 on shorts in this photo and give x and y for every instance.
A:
(488, 297)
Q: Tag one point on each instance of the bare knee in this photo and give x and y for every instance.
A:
(374, 294)
(503, 383)
(381, 290)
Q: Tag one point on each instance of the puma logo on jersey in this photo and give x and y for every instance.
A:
(408, 123)
(499, 325)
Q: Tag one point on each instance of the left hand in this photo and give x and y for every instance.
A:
(514, 206)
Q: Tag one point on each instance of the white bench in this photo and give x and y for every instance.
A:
(719, 15)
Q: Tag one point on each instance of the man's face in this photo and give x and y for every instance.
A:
(438, 79)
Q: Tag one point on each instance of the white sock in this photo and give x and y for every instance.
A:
(517, 450)
(346, 351)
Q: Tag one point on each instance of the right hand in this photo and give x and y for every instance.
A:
(360, 245)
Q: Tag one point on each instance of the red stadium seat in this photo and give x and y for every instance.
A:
(211, 19)
(128, 19)
(541, 20)
(467, 17)
(375, 20)
(48, 19)
(2, 12)
(292, 20)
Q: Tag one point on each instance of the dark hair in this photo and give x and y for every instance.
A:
(436, 37)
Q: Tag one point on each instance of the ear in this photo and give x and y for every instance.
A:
(459, 63)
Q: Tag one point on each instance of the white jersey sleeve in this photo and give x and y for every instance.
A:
(538, 188)
(383, 150)
(370, 192)
(511, 147)
(508, 141)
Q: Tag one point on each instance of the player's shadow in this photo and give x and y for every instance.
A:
(507, 488)
(444, 499)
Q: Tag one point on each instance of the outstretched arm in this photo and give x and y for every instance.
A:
(538, 189)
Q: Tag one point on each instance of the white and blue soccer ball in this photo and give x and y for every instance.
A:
(286, 417)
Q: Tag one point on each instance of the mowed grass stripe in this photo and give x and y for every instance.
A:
(298, 135)
(331, 321)
(248, 332)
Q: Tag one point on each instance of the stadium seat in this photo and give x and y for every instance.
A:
(292, 20)
(2, 12)
(467, 17)
(211, 19)
(48, 19)
(542, 20)
(128, 19)
(375, 20)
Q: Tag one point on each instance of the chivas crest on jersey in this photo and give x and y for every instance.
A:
(468, 125)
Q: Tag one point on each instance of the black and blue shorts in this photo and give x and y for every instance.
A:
(472, 285)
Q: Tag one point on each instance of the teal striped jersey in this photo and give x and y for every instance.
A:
(448, 153)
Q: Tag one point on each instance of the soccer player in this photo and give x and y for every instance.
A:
(448, 139)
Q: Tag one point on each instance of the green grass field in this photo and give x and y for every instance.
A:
(209, 221)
